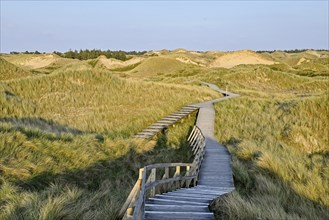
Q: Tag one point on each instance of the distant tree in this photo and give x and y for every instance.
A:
(58, 53)
(94, 53)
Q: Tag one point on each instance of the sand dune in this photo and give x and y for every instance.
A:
(37, 61)
(188, 61)
(114, 63)
(232, 59)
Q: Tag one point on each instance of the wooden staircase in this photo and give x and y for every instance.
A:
(184, 203)
(182, 190)
(165, 122)
(156, 181)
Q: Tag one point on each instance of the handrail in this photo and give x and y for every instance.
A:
(147, 184)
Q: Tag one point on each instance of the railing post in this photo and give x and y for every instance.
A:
(187, 182)
(177, 173)
(130, 209)
(166, 176)
(194, 181)
(166, 172)
(152, 179)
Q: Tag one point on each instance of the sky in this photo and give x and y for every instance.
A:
(49, 26)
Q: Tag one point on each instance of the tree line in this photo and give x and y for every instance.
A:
(91, 54)
(26, 52)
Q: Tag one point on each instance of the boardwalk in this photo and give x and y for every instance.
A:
(216, 168)
(215, 178)
(165, 122)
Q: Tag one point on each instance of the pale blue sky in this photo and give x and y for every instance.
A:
(152, 25)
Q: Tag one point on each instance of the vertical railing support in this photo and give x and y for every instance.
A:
(177, 173)
(166, 176)
(152, 179)
(147, 186)
(187, 182)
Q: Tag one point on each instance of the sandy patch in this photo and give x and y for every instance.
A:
(188, 61)
(195, 53)
(314, 53)
(114, 63)
(232, 59)
(301, 60)
(39, 61)
(180, 51)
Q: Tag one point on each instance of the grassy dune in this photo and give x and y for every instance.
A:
(280, 150)
(77, 176)
(96, 101)
(65, 146)
(9, 71)
(157, 66)
(277, 133)
(65, 138)
(31, 61)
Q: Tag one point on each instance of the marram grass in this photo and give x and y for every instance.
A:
(66, 151)
(280, 150)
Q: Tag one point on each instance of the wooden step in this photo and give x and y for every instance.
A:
(143, 136)
(183, 198)
(186, 111)
(190, 107)
(191, 195)
(172, 202)
(168, 119)
(175, 208)
(175, 117)
(157, 126)
(153, 129)
(179, 215)
(161, 124)
(216, 188)
(146, 133)
(183, 114)
(203, 191)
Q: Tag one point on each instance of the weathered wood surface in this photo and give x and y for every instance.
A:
(216, 169)
(214, 177)
(165, 122)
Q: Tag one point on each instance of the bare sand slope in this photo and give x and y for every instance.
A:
(33, 61)
(232, 59)
(114, 63)
(301, 60)
(188, 61)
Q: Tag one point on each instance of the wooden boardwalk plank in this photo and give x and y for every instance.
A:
(215, 177)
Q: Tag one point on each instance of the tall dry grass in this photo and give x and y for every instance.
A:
(280, 150)
(66, 152)
(84, 176)
(96, 101)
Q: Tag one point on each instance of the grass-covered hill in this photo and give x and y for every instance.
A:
(157, 66)
(66, 150)
(89, 100)
(31, 61)
(10, 71)
(280, 157)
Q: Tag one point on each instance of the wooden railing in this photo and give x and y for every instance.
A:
(164, 177)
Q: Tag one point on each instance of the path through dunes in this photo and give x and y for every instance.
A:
(215, 176)
(217, 159)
